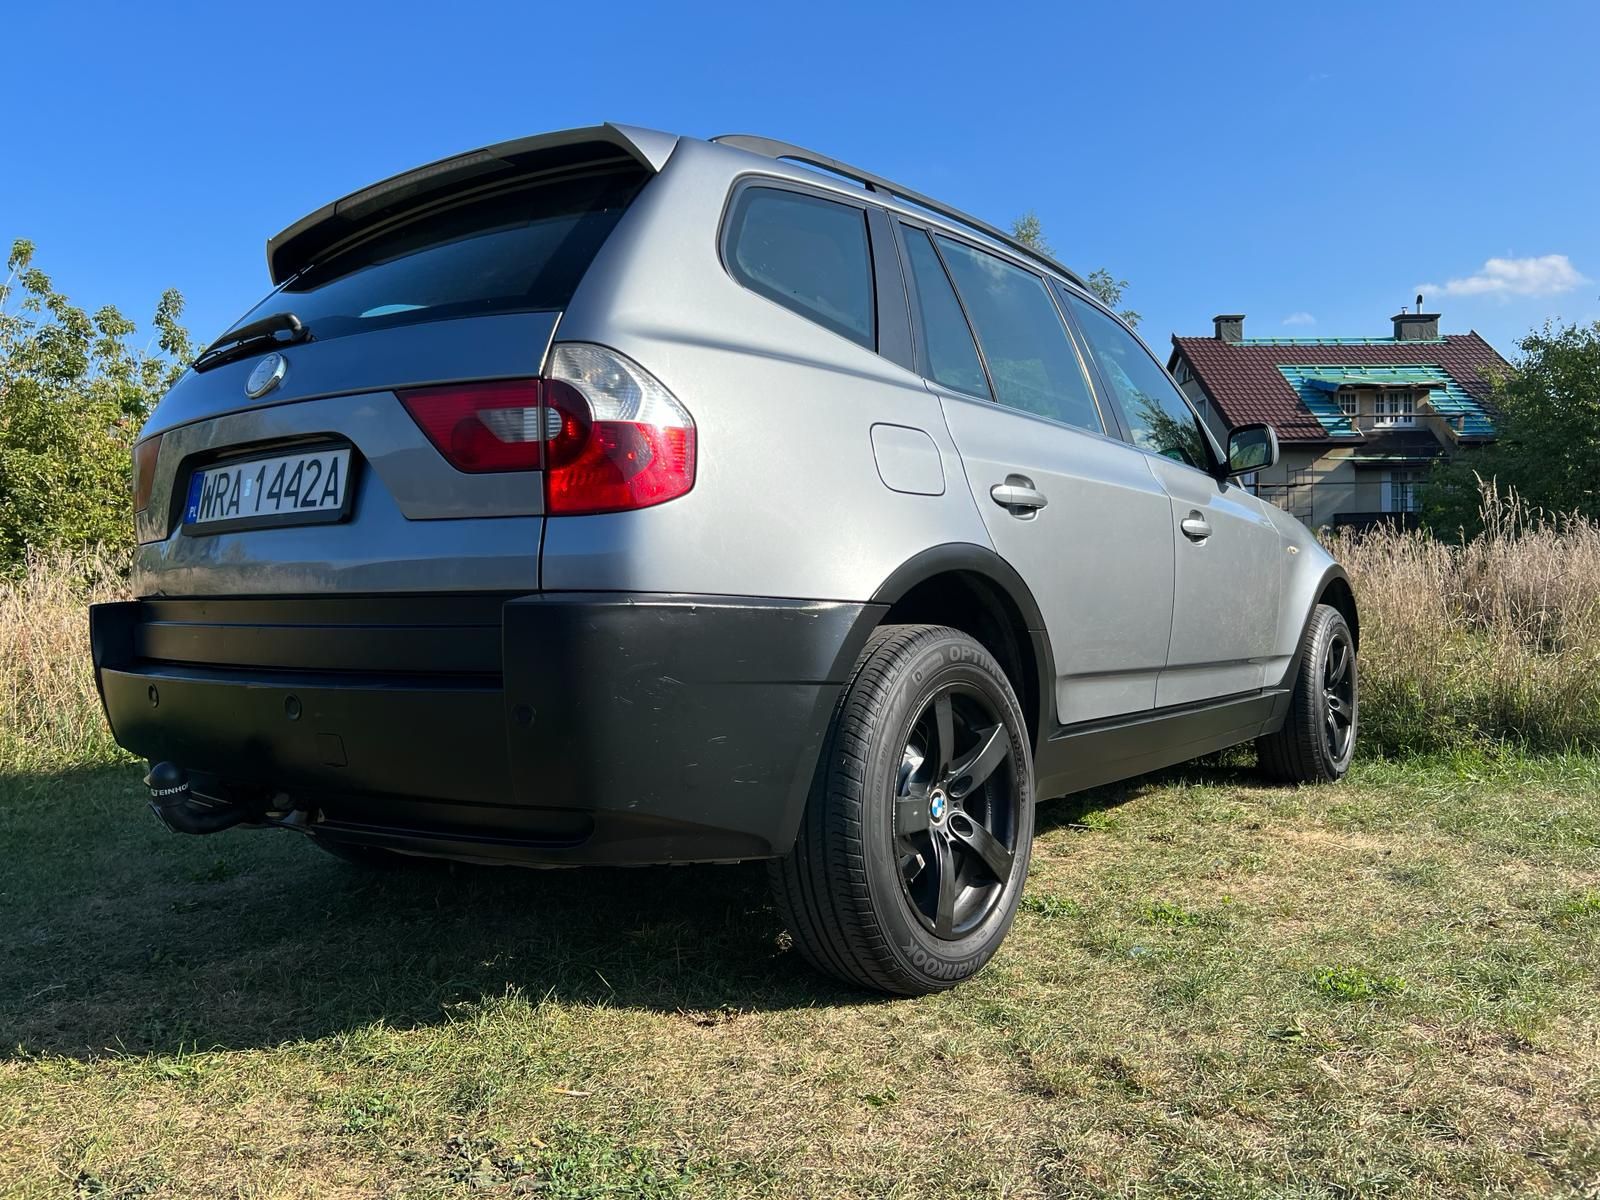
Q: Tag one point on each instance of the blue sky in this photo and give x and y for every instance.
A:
(1309, 165)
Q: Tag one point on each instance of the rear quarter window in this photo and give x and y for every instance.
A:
(809, 255)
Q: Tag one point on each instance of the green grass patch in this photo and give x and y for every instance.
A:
(1576, 908)
(1355, 983)
(1165, 912)
(1050, 906)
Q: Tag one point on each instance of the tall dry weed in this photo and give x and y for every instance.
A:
(1492, 641)
(49, 711)
(1497, 639)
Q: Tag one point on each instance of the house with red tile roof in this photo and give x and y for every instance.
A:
(1360, 420)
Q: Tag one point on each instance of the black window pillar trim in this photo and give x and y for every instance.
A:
(1110, 407)
(1217, 469)
(891, 290)
(924, 360)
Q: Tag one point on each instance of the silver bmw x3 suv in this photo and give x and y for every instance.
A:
(615, 497)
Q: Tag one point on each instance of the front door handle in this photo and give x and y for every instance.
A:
(1195, 527)
(1018, 496)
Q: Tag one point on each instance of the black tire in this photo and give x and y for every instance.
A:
(872, 892)
(1318, 738)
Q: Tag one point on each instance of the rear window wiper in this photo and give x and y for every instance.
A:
(253, 339)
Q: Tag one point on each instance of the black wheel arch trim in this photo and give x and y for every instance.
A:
(1334, 580)
(961, 556)
(974, 559)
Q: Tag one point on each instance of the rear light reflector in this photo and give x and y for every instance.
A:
(618, 439)
(481, 427)
(144, 471)
(607, 434)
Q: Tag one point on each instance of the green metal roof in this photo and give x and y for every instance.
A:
(1317, 384)
(1332, 381)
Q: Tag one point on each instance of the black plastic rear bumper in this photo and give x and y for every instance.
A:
(554, 728)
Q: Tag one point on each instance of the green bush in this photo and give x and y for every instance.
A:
(1547, 412)
(74, 391)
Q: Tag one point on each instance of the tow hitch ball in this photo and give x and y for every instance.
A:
(180, 810)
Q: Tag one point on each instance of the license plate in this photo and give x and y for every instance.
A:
(289, 489)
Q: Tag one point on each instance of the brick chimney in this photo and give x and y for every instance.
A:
(1230, 327)
(1416, 326)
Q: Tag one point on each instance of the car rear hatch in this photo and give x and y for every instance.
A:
(444, 281)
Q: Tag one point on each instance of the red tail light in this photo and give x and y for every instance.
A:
(612, 437)
(623, 441)
(481, 427)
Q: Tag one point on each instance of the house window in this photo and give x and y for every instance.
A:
(1348, 402)
(1405, 488)
(1396, 406)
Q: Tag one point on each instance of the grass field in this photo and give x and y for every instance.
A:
(1386, 988)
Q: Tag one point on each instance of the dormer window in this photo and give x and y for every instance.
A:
(1395, 406)
(1348, 402)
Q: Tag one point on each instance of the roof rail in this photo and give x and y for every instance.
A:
(771, 148)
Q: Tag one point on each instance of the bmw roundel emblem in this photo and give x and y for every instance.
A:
(936, 806)
(266, 375)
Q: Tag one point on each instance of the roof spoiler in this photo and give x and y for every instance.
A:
(331, 226)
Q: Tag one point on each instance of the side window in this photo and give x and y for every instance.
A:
(1030, 358)
(952, 356)
(809, 255)
(1158, 416)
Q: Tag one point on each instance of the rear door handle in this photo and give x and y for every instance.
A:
(1018, 496)
(1195, 527)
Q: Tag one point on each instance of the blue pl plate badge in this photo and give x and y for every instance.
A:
(191, 508)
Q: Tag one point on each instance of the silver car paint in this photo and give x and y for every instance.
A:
(1098, 556)
(502, 346)
(340, 388)
(1226, 589)
(787, 498)
(908, 460)
(790, 497)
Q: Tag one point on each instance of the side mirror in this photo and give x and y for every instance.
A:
(1252, 448)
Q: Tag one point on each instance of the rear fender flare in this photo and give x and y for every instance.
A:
(986, 564)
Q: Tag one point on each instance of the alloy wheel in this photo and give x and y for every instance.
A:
(955, 812)
(1339, 694)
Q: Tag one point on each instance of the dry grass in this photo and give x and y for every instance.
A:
(1388, 988)
(49, 712)
(1494, 640)
(1472, 645)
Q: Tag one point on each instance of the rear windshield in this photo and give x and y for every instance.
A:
(523, 250)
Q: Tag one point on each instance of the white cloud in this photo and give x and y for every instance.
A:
(1299, 318)
(1546, 275)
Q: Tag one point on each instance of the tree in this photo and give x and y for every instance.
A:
(1029, 230)
(1547, 445)
(74, 392)
(1110, 289)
